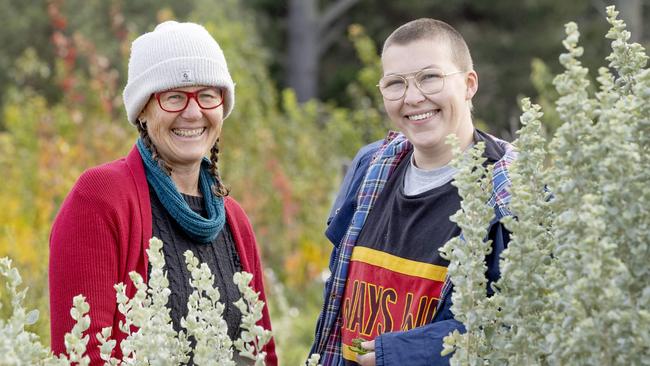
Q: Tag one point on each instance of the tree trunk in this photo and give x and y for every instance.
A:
(631, 11)
(302, 63)
(310, 33)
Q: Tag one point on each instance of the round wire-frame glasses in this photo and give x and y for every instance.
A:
(428, 81)
(177, 100)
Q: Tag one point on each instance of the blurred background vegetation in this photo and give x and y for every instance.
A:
(306, 101)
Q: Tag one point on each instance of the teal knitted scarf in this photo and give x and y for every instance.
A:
(199, 228)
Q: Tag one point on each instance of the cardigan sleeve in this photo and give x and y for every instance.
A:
(250, 259)
(83, 260)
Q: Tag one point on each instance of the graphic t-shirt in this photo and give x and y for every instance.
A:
(396, 273)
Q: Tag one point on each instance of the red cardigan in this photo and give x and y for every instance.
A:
(100, 235)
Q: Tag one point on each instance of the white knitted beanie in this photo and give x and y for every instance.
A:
(175, 55)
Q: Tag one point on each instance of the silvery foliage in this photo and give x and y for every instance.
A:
(313, 360)
(154, 342)
(75, 342)
(253, 337)
(575, 280)
(18, 346)
(466, 254)
(204, 320)
(151, 339)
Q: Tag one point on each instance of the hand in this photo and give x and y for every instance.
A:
(369, 358)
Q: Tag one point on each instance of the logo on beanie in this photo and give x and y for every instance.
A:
(186, 76)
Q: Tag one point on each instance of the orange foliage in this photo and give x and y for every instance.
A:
(46, 147)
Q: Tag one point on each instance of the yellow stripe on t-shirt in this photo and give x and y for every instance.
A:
(398, 264)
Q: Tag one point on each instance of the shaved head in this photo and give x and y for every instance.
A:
(434, 30)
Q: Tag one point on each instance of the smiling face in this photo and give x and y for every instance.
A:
(427, 119)
(183, 138)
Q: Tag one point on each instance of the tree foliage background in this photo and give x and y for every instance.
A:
(63, 66)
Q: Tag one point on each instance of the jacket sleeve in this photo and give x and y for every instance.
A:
(345, 202)
(416, 347)
(83, 260)
(351, 172)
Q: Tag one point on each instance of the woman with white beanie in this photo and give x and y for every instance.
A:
(178, 94)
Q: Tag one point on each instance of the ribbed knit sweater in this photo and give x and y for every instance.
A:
(100, 235)
(220, 256)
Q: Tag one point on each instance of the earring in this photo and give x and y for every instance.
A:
(143, 124)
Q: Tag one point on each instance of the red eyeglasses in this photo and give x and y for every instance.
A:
(177, 100)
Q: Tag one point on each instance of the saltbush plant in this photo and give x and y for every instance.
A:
(151, 339)
(575, 280)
